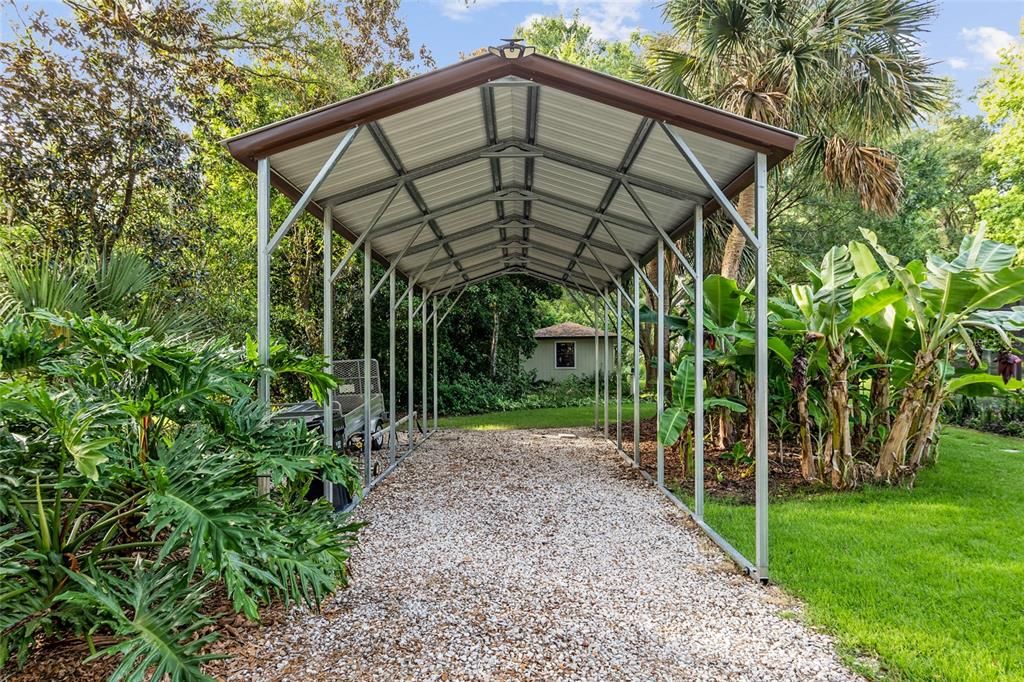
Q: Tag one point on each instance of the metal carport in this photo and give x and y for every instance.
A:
(506, 164)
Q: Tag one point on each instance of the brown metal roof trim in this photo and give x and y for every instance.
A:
(599, 87)
(366, 108)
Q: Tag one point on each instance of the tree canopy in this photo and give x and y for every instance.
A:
(1001, 205)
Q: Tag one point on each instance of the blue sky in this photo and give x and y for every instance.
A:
(964, 39)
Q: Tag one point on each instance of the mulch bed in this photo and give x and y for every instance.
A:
(61, 659)
(723, 478)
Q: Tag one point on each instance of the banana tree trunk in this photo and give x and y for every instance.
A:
(806, 450)
(858, 429)
(726, 423)
(798, 382)
(924, 441)
(841, 466)
(893, 453)
(880, 400)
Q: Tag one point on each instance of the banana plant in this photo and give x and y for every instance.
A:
(676, 422)
(945, 300)
(831, 306)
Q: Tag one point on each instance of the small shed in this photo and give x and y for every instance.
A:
(564, 350)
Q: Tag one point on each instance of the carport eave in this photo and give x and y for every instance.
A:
(483, 69)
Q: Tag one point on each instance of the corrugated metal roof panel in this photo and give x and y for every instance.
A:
(660, 160)
(357, 214)
(361, 163)
(559, 217)
(579, 185)
(553, 240)
(437, 130)
(513, 172)
(467, 245)
(583, 127)
(510, 112)
(467, 217)
(666, 211)
(392, 243)
(450, 186)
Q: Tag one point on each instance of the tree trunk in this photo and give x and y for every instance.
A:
(880, 400)
(494, 343)
(750, 398)
(924, 440)
(894, 450)
(726, 423)
(839, 450)
(858, 430)
(732, 255)
(806, 449)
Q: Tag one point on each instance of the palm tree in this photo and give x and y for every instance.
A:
(847, 74)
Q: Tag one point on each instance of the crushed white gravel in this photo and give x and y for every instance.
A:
(521, 555)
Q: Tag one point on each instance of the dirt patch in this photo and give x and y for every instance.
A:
(725, 476)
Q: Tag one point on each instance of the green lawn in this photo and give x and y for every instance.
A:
(549, 418)
(929, 582)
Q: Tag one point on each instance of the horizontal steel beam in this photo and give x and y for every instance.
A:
(507, 148)
(513, 222)
(502, 244)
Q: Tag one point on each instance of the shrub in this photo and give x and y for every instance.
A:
(128, 468)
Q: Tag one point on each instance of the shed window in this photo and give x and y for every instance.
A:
(565, 355)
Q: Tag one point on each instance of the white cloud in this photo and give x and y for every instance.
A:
(987, 41)
(607, 19)
(957, 63)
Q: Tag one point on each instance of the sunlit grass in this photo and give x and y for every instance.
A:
(544, 418)
(929, 580)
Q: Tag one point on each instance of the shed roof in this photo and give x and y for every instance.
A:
(528, 165)
(569, 330)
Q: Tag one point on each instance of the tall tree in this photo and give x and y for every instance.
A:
(572, 40)
(1001, 206)
(113, 111)
(847, 74)
(941, 169)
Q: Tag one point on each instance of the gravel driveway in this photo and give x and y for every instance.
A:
(522, 555)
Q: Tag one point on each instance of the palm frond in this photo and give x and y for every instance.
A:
(871, 172)
(41, 286)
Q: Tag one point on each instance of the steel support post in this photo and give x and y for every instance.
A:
(661, 356)
(410, 379)
(618, 370)
(607, 363)
(367, 362)
(263, 292)
(328, 420)
(263, 276)
(761, 367)
(434, 350)
(423, 361)
(636, 367)
(392, 387)
(597, 368)
(698, 361)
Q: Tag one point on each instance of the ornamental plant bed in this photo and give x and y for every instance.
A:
(726, 475)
